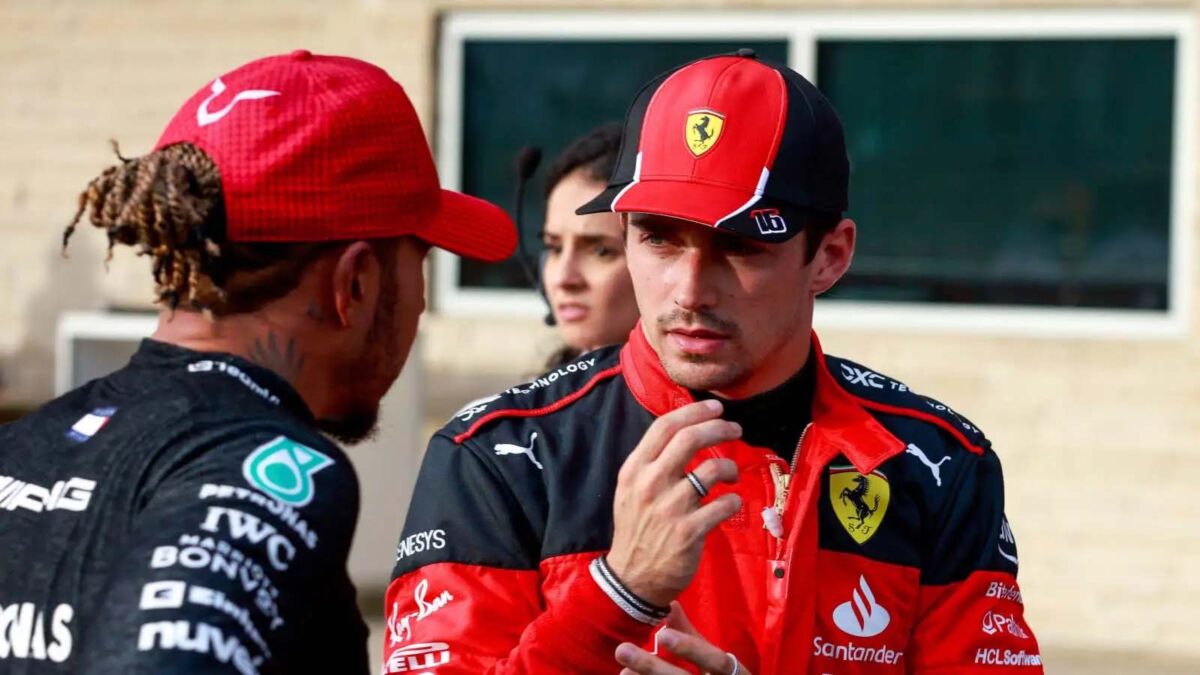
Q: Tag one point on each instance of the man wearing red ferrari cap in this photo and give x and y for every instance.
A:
(186, 514)
(718, 495)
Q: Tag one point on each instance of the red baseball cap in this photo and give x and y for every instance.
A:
(319, 148)
(731, 142)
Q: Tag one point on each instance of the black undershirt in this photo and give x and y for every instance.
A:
(774, 419)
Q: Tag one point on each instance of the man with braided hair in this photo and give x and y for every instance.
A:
(187, 514)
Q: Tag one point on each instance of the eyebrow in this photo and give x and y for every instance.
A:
(585, 239)
(720, 237)
(651, 225)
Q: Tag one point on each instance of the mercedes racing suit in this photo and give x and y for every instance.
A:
(882, 548)
(181, 515)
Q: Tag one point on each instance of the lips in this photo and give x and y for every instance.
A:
(696, 340)
(569, 312)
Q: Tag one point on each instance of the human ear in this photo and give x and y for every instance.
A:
(833, 257)
(355, 283)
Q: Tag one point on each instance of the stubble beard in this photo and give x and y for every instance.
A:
(361, 421)
(690, 372)
(697, 371)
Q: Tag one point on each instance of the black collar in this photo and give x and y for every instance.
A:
(774, 419)
(229, 370)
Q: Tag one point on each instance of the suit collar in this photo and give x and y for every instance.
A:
(839, 420)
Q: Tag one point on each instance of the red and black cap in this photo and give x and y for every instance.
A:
(318, 148)
(733, 142)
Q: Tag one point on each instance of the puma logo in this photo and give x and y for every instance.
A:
(510, 449)
(205, 118)
(935, 469)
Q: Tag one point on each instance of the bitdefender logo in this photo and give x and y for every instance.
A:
(862, 616)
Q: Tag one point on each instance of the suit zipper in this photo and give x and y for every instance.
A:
(773, 522)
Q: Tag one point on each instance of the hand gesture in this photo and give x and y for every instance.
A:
(659, 524)
(684, 641)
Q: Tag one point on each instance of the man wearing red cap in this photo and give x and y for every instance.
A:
(186, 514)
(718, 495)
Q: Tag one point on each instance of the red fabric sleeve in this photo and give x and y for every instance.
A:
(974, 626)
(461, 618)
(973, 621)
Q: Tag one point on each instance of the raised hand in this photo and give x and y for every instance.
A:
(659, 524)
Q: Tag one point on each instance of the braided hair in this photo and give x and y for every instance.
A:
(169, 206)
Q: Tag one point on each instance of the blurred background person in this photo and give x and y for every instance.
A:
(583, 269)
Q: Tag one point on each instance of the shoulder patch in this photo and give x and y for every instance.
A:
(283, 469)
(884, 394)
(540, 396)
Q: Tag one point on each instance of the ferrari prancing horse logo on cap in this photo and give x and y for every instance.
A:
(702, 130)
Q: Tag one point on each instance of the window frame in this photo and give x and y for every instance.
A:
(803, 30)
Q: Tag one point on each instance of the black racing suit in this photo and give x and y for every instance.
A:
(181, 515)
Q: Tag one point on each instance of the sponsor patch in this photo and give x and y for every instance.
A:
(200, 638)
(400, 623)
(1003, 591)
(1006, 657)
(994, 623)
(862, 616)
(527, 450)
(418, 658)
(73, 494)
(284, 469)
(429, 540)
(30, 632)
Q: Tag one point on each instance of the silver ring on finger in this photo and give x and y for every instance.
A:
(737, 667)
(696, 483)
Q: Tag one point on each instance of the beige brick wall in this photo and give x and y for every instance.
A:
(1100, 439)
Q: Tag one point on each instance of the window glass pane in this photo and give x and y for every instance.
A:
(1007, 171)
(545, 93)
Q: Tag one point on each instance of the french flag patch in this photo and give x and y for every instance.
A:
(89, 424)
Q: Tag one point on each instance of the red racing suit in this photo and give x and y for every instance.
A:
(890, 554)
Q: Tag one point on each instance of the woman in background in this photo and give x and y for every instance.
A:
(583, 268)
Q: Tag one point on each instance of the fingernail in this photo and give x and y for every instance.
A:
(713, 405)
(625, 651)
(668, 638)
(736, 427)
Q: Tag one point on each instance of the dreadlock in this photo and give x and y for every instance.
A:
(169, 206)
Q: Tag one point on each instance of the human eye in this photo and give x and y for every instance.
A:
(606, 252)
(652, 238)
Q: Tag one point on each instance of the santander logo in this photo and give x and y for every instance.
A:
(862, 616)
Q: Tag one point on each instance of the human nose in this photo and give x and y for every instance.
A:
(567, 270)
(692, 281)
